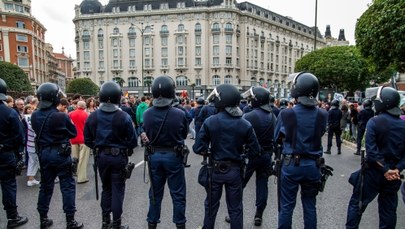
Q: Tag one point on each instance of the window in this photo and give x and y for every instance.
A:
(228, 50)
(228, 79)
(8, 6)
(100, 44)
(147, 51)
(180, 39)
(180, 28)
(180, 62)
(86, 55)
(115, 42)
(165, 62)
(164, 28)
(180, 51)
(23, 62)
(20, 24)
(132, 64)
(198, 39)
(131, 30)
(115, 64)
(116, 31)
(164, 52)
(198, 82)
(216, 80)
(86, 45)
(131, 42)
(22, 48)
(198, 61)
(132, 82)
(215, 38)
(216, 26)
(198, 51)
(181, 81)
(215, 61)
(228, 38)
(100, 33)
(147, 40)
(164, 41)
(228, 61)
(86, 65)
(198, 27)
(22, 38)
(132, 53)
(101, 65)
(115, 53)
(101, 55)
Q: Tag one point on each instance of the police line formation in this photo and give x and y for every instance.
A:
(233, 145)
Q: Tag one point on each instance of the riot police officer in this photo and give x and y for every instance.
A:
(227, 133)
(109, 131)
(364, 115)
(380, 172)
(275, 110)
(263, 121)
(165, 128)
(11, 137)
(300, 129)
(53, 130)
(207, 111)
(334, 117)
(197, 119)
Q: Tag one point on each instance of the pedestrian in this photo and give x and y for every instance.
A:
(33, 163)
(363, 116)
(226, 133)
(80, 152)
(263, 121)
(109, 131)
(197, 121)
(207, 111)
(141, 108)
(165, 129)
(53, 130)
(334, 127)
(353, 121)
(380, 172)
(11, 137)
(300, 130)
(345, 118)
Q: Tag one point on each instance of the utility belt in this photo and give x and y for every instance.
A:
(63, 149)
(114, 151)
(225, 166)
(180, 151)
(296, 159)
(154, 149)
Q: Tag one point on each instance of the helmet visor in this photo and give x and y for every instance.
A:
(214, 94)
(248, 94)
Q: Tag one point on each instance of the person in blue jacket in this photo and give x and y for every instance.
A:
(110, 132)
(300, 130)
(226, 134)
(53, 130)
(12, 135)
(385, 159)
(363, 116)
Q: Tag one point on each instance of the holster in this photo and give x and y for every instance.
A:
(225, 166)
(127, 170)
(65, 150)
(182, 151)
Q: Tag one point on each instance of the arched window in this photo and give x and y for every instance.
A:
(228, 26)
(116, 30)
(131, 30)
(228, 79)
(198, 27)
(215, 26)
(100, 33)
(133, 82)
(147, 81)
(147, 29)
(119, 81)
(180, 28)
(86, 33)
(216, 80)
(181, 81)
(164, 28)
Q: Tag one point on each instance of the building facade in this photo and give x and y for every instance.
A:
(200, 44)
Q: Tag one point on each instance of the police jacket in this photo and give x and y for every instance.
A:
(12, 133)
(226, 135)
(197, 119)
(110, 129)
(363, 117)
(334, 117)
(57, 129)
(206, 112)
(174, 129)
(301, 129)
(385, 145)
(188, 116)
(263, 123)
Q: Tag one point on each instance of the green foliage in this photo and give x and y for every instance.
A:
(380, 34)
(16, 79)
(83, 86)
(342, 67)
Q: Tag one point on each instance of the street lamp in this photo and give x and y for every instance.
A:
(142, 31)
(316, 20)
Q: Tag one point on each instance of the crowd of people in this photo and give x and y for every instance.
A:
(236, 134)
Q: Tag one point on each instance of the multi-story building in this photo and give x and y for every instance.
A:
(331, 41)
(199, 43)
(22, 40)
(59, 67)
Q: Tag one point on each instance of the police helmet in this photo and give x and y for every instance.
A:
(226, 96)
(201, 101)
(163, 91)
(271, 99)
(3, 90)
(259, 97)
(335, 103)
(110, 92)
(48, 95)
(305, 88)
(283, 104)
(387, 99)
(367, 104)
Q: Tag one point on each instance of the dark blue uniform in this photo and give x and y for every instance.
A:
(276, 111)
(248, 108)
(334, 117)
(112, 135)
(263, 123)
(54, 159)
(11, 137)
(226, 135)
(385, 147)
(197, 120)
(301, 129)
(166, 164)
(207, 111)
(363, 117)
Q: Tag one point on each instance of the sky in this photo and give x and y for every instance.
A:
(57, 16)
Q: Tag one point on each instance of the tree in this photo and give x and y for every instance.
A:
(380, 34)
(83, 86)
(340, 67)
(16, 79)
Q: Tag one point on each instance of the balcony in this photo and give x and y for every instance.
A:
(216, 30)
(198, 66)
(131, 34)
(228, 30)
(164, 33)
(86, 37)
(181, 67)
(164, 67)
(197, 31)
(216, 66)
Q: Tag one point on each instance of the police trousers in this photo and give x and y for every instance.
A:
(374, 184)
(305, 175)
(8, 183)
(53, 165)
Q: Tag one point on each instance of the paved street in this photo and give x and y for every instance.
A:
(332, 203)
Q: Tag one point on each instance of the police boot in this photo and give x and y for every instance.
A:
(181, 226)
(71, 223)
(46, 223)
(117, 225)
(106, 222)
(327, 151)
(339, 150)
(17, 221)
(152, 225)
(258, 217)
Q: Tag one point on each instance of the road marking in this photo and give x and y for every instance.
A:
(139, 164)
